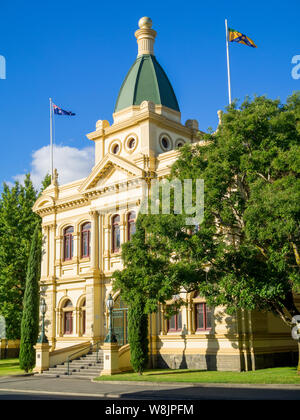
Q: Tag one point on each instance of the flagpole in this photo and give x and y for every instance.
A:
(51, 140)
(228, 63)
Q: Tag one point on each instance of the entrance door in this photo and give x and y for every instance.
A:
(119, 320)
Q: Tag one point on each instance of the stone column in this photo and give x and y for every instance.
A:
(94, 241)
(53, 317)
(107, 243)
(59, 322)
(110, 359)
(42, 358)
(163, 321)
(93, 315)
(190, 326)
(45, 252)
(76, 251)
(52, 240)
(123, 235)
(100, 245)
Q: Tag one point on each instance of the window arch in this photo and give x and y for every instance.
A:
(68, 317)
(85, 240)
(131, 217)
(116, 240)
(68, 243)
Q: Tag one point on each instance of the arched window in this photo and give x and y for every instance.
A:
(68, 317)
(131, 224)
(85, 240)
(116, 241)
(68, 243)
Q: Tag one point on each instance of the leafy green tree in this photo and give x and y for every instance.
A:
(139, 285)
(30, 317)
(145, 274)
(245, 253)
(17, 224)
(46, 182)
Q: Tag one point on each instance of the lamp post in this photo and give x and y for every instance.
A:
(110, 338)
(43, 338)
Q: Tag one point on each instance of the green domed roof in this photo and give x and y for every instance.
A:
(146, 81)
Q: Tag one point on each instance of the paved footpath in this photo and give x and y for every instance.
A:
(48, 388)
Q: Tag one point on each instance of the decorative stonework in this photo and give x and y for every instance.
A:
(145, 37)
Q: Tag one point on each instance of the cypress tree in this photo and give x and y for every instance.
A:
(30, 317)
(138, 335)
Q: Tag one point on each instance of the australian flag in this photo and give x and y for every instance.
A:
(57, 110)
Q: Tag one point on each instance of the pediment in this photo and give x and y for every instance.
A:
(42, 202)
(111, 169)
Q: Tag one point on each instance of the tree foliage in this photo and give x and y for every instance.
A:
(17, 224)
(30, 316)
(138, 334)
(139, 286)
(245, 253)
(146, 273)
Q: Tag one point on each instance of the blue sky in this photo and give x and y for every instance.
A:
(79, 53)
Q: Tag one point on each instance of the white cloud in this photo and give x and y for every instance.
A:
(71, 164)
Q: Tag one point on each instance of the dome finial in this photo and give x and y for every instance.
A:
(145, 36)
(145, 23)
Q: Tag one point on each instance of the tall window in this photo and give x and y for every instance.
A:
(203, 317)
(68, 317)
(116, 242)
(85, 240)
(175, 322)
(131, 224)
(68, 243)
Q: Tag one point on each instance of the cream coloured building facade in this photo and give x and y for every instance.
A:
(85, 223)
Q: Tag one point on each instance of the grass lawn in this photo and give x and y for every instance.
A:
(10, 367)
(284, 375)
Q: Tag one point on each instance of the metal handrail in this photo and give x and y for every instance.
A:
(90, 346)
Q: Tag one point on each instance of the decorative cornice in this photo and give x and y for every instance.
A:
(140, 117)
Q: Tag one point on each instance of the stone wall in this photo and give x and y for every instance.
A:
(198, 361)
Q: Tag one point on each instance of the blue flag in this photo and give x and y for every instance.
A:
(57, 110)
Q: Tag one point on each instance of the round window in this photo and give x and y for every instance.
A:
(115, 149)
(165, 142)
(131, 143)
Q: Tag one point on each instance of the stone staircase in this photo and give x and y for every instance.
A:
(84, 367)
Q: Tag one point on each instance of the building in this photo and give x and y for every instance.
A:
(85, 222)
